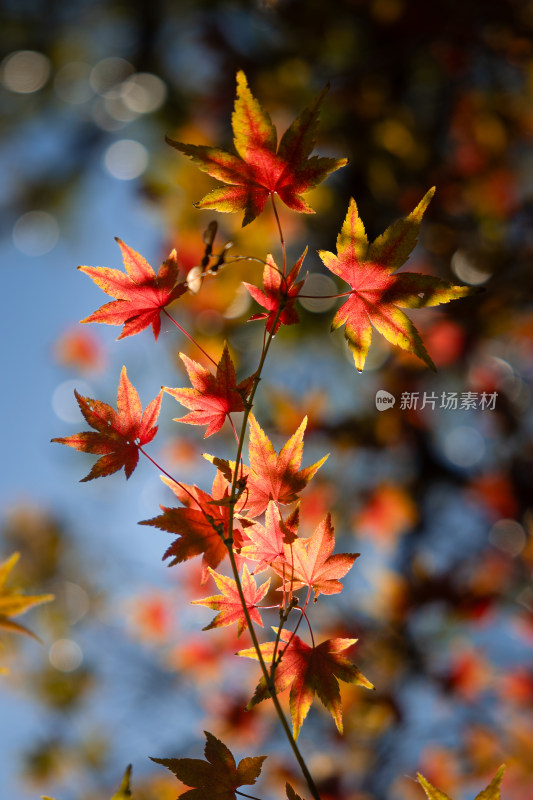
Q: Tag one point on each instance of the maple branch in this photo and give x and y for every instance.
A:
(234, 259)
(228, 541)
(293, 633)
(189, 337)
(283, 617)
(282, 240)
(243, 794)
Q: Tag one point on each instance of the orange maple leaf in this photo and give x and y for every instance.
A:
(258, 169)
(309, 671)
(212, 397)
(140, 293)
(218, 777)
(310, 562)
(278, 296)
(377, 294)
(119, 434)
(266, 544)
(270, 476)
(201, 524)
(228, 604)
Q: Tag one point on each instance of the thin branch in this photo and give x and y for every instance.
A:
(189, 337)
(282, 240)
(229, 546)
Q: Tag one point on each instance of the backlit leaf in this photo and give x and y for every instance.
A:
(228, 604)
(140, 293)
(278, 295)
(492, 792)
(377, 294)
(212, 397)
(256, 171)
(309, 671)
(119, 434)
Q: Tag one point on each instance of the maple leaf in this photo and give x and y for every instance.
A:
(218, 777)
(492, 792)
(309, 671)
(119, 434)
(212, 397)
(270, 476)
(278, 295)
(13, 603)
(201, 524)
(229, 605)
(140, 293)
(377, 294)
(312, 563)
(266, 544)
(256, 170)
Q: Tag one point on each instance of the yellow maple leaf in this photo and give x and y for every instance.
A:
(492, 792)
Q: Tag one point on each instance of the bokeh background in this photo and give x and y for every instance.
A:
(436, 500)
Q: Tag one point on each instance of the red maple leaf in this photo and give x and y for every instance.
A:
(218, 777)
(309, 671)
(212, 397)
(311, 563)
(270, 476)
(228, 604)
(377, 294)
(140, 293)
(257, 170)
(266, 544)
(119, 434)
(278, 295)
(201, 524)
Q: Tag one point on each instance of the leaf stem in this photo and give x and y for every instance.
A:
(189, 337)
(325, 296)
(293, 633)
(181, 485)
(282, 240)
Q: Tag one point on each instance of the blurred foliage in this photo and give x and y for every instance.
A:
(437, 501)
